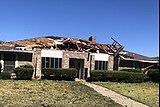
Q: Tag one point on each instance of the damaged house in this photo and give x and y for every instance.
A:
(61, 52)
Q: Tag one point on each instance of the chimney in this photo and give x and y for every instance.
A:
(93, 39)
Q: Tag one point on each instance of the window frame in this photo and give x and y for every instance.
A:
(101, 65)
(51, 62)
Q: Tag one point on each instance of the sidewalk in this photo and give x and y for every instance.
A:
(118, 98)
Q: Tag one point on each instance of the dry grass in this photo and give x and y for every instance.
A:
(147, 93)
(15, 93)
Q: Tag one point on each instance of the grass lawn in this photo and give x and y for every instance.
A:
(147, 93)
(48, 93)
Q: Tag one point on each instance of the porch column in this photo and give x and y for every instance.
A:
(16, 62)
(110, 62)
(2, 61)
(116, 63)
(36, 59)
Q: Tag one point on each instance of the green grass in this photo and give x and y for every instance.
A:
(48, 93)
(147, 93)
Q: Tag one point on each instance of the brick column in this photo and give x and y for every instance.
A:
(36, 59)
(110, 62)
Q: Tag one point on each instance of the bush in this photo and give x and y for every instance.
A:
(48, 73)
(5, 75)
(26, 66)
(60, 73)
(153, 75)
(132, 70)
(24, 72)
(118, 76)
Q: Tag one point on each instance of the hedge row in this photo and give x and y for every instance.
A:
(59, 73)
(153, 75)
(132, 70)
(118, 76)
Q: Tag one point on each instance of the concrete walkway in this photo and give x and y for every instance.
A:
(118, 98)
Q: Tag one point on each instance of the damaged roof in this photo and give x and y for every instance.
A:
(73, 44)
(62, 43)
(135, 56)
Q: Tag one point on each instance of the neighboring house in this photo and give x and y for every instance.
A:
(60, 52)
(136, 61)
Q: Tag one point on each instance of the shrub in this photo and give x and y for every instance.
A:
(117, 76)
(132, 70)
(48, 73)
(5, 75)
(26, 66)
(153, 75)
(60, 73)
(24, 72)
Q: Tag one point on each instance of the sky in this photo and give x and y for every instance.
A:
(133, 23)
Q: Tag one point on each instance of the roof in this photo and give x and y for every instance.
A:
(134, 56)
(62, 43)
(72, 44)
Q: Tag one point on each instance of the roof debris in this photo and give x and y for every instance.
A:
(71, 44)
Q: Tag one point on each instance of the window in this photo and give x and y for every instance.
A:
(9, 62)
(24, 57)
(48, 62)
(52, 64)
(100, 65)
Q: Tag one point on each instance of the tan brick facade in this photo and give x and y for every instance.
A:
(110, 62)
(36, 59)
(88, 60)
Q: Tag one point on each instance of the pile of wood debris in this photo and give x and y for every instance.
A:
(61, 43)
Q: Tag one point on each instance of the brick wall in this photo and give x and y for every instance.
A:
(110, 62)
(78, 55)
(36, 59)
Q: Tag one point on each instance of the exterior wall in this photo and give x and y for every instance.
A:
(92, 62)
(17, 61)
(101, 56)
(104, 57)
(51, 53)
(110, 62)
(36, 60)
(65, 55)
(89, 59)
(20, 62)
(79, 55)
(135, 64)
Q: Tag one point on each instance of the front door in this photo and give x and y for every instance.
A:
(79, 65)
(9, 62)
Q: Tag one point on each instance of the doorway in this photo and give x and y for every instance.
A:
(79, 65)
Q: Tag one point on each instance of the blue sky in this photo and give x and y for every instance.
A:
(134, 23)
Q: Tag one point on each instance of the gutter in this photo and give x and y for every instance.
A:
(18, 51)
